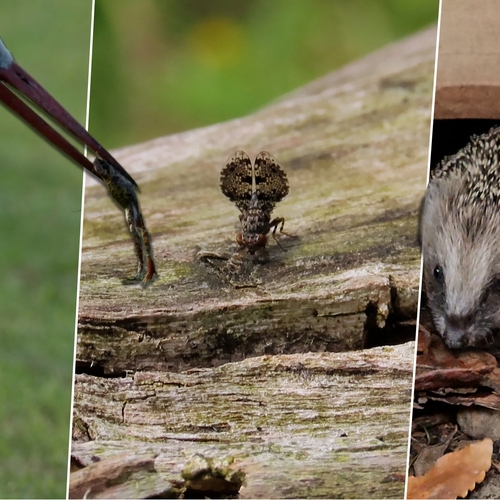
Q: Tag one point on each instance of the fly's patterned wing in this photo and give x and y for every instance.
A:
(236, 180)
(271, 183)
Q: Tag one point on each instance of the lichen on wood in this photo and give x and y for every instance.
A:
(322, 423)
(354, 146)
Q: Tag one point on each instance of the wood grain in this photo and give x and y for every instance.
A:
(258, 364)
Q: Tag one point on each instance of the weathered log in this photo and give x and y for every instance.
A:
(316, 425)
(127, 476)
(354, 145)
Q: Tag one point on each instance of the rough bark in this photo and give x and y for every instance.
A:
(315, 425)
(354, 145)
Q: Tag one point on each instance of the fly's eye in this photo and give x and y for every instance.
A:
(439, 274)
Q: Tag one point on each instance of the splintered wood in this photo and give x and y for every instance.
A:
(328, 421)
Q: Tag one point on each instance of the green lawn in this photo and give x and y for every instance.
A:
(40, 200)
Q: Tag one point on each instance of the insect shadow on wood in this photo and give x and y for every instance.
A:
(123, 193)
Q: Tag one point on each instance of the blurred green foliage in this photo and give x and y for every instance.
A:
(40, 210)
(162, 66)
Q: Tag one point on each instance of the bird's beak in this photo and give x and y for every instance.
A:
(12, 76)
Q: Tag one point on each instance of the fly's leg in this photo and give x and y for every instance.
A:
(151, 271)
(131, 215)
(274, 224)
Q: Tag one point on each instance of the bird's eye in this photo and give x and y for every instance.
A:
(439, 274)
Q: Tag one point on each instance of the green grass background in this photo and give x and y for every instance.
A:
(160, 66)
(40, 209)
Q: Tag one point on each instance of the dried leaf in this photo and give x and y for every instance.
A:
(454, 474)
(490, 401)
(492, 380)
(424, 340)
(439, 367)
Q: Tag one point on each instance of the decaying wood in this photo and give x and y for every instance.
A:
(354, 146)
(128, 476)
(135, 476)
(322, 423)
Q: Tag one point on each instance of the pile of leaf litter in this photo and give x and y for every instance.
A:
(455, 440)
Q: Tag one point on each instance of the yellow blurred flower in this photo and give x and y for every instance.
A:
(218, 42)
